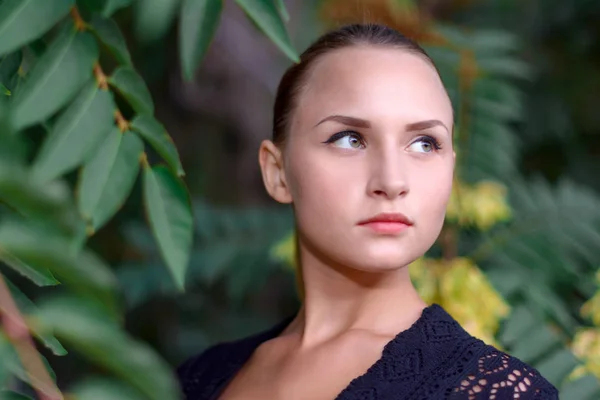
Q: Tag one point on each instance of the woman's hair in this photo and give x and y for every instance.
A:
(350, 35)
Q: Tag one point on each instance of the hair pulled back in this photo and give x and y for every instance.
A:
(349, 35)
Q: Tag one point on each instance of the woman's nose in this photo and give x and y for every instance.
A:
(389, 177)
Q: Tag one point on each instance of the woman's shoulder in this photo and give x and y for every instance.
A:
(204, 372)
(490, 373)
(453, 364)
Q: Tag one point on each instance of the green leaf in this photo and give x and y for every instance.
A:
(22, 21)
(198, 23)
(504, 66)
(493, 41)
(91, 6)
(27, 307)
(12, 365)
(109, 33)
(265, 15)
(520, 321)
(50, 202)
(6, 395)
(56, 78)
(82, 272)
(102, 389)
(170, 216)
(108, 177)
(40, 276)
(584, 388)
(131, 85)
(539, 341)
(79, 128)
(110, 6)
(4, 90)
(9, 65)
(557, 366)
(154, 132)
(283, 12)
(95, 336)
(7, 354)
(152, 19)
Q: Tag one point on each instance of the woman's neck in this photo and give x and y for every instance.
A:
(339, 298)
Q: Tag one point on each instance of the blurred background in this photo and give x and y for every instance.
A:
(518, 261)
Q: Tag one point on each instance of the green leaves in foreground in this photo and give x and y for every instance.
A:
(108, 32)
(49, 202)
(111, 6)
(27, 307)
(170, 216)
(102, 389)
(80, 127)
(131, 85)
(83, 273)
(154, 132)
(92, 333)
(55, 79)
(108, 177)
(198, 23)
(22, 21)
(265, 14)
(153, 18)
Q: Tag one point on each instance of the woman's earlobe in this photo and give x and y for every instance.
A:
(273, 172)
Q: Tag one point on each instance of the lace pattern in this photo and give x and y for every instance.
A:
(498, 376)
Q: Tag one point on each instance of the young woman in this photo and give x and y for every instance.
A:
(362, 149)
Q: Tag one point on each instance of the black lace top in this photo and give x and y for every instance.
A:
(434, 359)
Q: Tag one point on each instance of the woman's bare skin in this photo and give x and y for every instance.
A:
(371, 134)
(278, 370)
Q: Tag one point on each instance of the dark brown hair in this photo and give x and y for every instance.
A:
(350, 35)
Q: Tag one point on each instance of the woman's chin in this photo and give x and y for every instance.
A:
(383, 258)
(383, 261)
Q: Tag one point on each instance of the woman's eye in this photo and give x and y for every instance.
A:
(425, 145)
(347, 140)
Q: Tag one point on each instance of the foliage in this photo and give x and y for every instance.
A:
(99, 123)
(521, 234)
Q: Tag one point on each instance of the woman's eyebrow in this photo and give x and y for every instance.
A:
(362, 123)
(350, 121)
(422, 125)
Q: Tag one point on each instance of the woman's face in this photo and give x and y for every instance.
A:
(371, 135)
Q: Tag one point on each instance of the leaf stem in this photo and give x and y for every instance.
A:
(99, 74)
(122, 123)
(18, 334)
(80, 23)
(144, 160)
(101, 78)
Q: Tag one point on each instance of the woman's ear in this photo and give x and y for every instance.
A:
(273, 172)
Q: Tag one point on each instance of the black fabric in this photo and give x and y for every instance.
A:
(434, 359)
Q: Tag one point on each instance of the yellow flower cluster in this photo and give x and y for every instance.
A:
(463, 290)
(482, 205)
(586, 346)
(586, 343)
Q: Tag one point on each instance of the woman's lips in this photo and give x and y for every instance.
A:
(388, 223)
(386, 227)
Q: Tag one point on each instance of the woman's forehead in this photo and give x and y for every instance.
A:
(374, 81)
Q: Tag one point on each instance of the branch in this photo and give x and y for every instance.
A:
(101, 77)
(18, 334)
